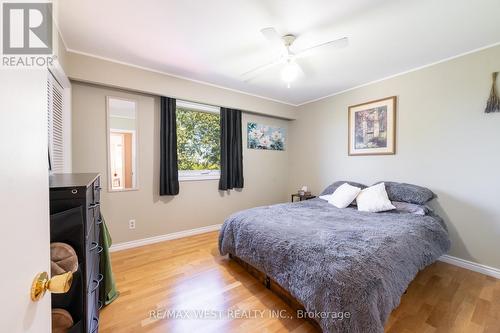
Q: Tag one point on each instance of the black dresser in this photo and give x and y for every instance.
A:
(75, 220)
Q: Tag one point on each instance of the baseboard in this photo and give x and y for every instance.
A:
(161, 238)
(483, 269)
(487, 270)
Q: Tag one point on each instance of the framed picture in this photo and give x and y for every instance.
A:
(372, 128)
(265, 137)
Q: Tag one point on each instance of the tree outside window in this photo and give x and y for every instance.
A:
(198, 141)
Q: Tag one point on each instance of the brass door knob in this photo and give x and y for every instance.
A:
(58, 284)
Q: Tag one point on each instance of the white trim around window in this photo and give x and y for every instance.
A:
(190, 175)
(194, 175)
(197, 106)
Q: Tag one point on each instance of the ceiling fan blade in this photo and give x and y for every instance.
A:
(251, 74)
(274, 38)
(301, 70)
(337, 43)
(272, 35)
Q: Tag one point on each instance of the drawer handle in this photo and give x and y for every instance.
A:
(99, 249)
(96, 321)
(94, 205)
(97, 283)
(99, 307)
(98, 188)
(99, 221)
(94, 246)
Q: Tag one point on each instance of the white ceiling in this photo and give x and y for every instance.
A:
(216, 41)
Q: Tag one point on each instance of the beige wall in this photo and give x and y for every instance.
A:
(444, 142)
(199, 202)
(94, 70)
(58, 47)
(60, 51)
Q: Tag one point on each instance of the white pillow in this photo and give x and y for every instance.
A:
(374, 199)
(344, 195)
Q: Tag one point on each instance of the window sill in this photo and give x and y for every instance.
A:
(196, 175)
(198, 178)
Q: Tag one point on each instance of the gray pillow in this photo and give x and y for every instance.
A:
(408, 193)
(331, 188)
(409, 208)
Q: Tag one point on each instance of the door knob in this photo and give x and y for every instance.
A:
(58, 284)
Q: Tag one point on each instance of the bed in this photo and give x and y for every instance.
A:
(347, 268)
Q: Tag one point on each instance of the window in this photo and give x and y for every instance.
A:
(198, 141)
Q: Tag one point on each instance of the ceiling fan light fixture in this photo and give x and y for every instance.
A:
(290, 72)
(291, 69)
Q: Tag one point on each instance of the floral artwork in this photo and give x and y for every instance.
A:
(372, 127)
(265, 137)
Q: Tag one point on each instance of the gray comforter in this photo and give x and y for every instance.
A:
(337, 262)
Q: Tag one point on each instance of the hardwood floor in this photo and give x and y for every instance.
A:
(189, 274)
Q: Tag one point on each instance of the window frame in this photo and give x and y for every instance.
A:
(195, 175)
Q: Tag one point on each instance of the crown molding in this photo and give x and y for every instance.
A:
(178, 76)
(400, 74)
(277, 100)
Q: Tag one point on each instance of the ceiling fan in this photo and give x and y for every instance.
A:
(291, 69)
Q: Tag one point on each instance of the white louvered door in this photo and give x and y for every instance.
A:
(55, 109)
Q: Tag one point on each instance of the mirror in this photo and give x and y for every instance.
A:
(122, 144)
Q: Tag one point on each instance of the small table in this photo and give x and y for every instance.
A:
(303, 197)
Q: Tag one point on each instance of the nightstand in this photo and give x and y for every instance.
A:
(303, 197)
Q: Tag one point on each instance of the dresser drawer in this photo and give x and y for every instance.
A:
(94, 209)
(90, 230)
(94, 250)
(95, 322)
(92, 262)
(96, 187)
(98, 221)
(96, 313)
(93, 310)
(68, 193)
(93, 221)
(94, 325)
(89, 195)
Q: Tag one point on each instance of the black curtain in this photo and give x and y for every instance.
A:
(231, 159)
(169, 178)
